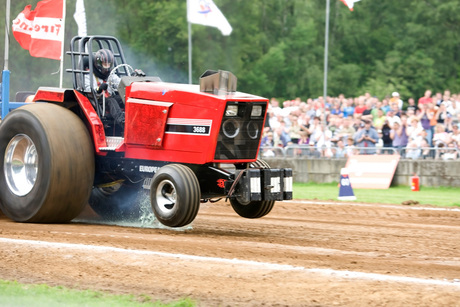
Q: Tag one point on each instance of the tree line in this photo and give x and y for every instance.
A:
(276, 48)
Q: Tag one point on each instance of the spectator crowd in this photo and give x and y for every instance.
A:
(339, 127)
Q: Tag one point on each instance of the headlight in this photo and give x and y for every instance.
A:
(232, 110)
(231, 128)
(256, 111)
(253, 130)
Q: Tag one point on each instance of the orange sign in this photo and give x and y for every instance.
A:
(372, 171)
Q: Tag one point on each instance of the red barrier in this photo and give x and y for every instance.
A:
(415, 183)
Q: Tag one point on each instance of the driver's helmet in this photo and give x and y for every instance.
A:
(103, 63)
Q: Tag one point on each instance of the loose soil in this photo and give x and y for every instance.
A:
(302, 254)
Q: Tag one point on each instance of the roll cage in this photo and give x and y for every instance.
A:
(82, 50)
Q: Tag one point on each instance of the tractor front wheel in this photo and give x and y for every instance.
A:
(175, 195)
(119, 201)
(253, 209)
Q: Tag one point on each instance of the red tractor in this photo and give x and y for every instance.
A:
(65, 151)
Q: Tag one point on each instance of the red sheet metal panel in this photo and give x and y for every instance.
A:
(97, 128)
(50, 94)
(146, 122)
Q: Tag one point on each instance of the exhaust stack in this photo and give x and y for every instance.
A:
(218, 82)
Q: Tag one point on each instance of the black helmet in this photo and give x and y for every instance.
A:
(103, 63)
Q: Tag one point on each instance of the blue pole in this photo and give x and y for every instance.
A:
(5, 92)
(6, 72)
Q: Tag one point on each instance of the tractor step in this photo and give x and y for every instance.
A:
(113, 142)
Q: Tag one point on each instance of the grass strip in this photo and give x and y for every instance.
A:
(438, 196)
(16, 294)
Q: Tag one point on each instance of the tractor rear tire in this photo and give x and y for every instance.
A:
(175, 195)
(48, 164)
(253, 209)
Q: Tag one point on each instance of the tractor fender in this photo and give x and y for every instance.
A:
(62, 96)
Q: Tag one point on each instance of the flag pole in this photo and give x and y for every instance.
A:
(326, 47)
(189, 53)
(189, 43)
(7, 31)
(204, 13)
(62, 43)
(6, 72)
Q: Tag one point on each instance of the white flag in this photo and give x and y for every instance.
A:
(80, 18)
(350, 3)
(206, 13)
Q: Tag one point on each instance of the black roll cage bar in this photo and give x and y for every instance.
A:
(82, 49)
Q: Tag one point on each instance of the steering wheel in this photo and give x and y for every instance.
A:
(112, 72)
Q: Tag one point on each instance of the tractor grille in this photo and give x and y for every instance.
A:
(241, 130)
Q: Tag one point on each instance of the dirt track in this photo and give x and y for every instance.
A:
(301, 254)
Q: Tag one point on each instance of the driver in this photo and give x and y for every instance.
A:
(103, 63)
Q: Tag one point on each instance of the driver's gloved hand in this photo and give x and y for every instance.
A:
(138, 73)
(102, 87)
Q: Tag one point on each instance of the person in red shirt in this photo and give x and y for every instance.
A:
(359, 109)
(426, 98)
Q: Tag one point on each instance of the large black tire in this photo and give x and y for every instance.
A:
(253, 209)
(121, 201)
(175, 195)
(48, 164)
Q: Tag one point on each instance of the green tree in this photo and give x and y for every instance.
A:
(276, 48)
